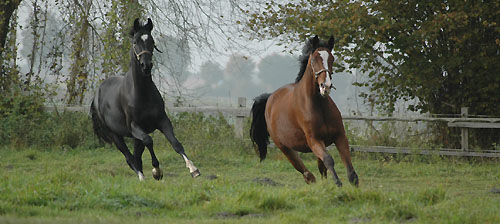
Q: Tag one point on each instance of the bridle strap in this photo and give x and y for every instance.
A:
(138, 55)
(316, 74)
(141, 53)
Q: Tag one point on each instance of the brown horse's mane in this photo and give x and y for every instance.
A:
(304, 58)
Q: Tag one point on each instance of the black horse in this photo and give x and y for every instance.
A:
(131, 106)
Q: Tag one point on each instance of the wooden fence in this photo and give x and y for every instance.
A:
(241, 112)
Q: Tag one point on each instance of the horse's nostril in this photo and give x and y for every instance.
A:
(322, 85)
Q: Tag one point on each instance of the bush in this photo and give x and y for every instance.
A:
(25, 124)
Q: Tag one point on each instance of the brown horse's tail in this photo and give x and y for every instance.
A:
(258, 130)
(99, 127)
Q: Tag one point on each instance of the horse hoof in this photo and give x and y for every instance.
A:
(309, 178)
(141, 176)
(338, 183)
(353, 178)
(195, 173)
(157, 174)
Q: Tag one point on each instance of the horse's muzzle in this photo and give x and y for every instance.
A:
(146, 68)
(324, 90)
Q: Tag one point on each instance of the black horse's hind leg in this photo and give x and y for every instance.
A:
(120, 144)
(167, 129)
(143, 139)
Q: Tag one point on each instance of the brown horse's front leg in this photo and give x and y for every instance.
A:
(319, 149)
(343, 147)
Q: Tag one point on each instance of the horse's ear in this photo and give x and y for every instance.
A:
(135, 27)
(331, 43)
(149, 26)
(314, 41)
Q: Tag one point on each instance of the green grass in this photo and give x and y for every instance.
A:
(54, 185)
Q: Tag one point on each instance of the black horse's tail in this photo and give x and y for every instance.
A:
(258, 130)
(99, 127)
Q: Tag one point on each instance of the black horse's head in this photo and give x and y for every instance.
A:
(143, 45)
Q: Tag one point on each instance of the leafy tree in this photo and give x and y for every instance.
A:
(92, 42)
(8, 59)
(7, 8)
(442, 53)
(445, 53)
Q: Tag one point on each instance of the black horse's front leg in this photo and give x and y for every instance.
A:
(120, 144)
(167, 129)
(147, 141)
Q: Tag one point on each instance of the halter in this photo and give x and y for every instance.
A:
(138, 55)
(316, 74)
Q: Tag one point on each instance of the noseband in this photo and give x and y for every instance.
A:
(316, 74)
(138, 55)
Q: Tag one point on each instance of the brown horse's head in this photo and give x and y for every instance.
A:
(321, 64)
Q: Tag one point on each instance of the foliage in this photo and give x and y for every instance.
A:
(392, 134)
(412, 50)
(25, 124)
(8, 56)
(444, 54)
(8, 7)
(73, 45)
(194, 130)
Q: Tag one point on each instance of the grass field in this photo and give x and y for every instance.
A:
(55, 185)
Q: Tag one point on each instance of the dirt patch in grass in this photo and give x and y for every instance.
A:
(266, 181)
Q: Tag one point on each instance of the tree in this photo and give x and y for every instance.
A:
(213, 78)
(238, 79)
(93, 43)
(276, 70)
(411, 49)
(443, 53)
(7, 9)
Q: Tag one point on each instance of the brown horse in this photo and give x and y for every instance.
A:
(301, 117)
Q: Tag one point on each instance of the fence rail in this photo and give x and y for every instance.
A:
(245, 112)
(241, 112)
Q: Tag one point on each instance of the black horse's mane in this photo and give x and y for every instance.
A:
(304, 58)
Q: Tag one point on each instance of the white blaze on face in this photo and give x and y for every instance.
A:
(325, 90)
(144, 37)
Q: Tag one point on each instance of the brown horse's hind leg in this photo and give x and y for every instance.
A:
(343, 147)
(322, 169)
(294, 158)
(319, 149)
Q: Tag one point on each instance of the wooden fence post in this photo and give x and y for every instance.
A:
(464, 112)
(240, 120)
